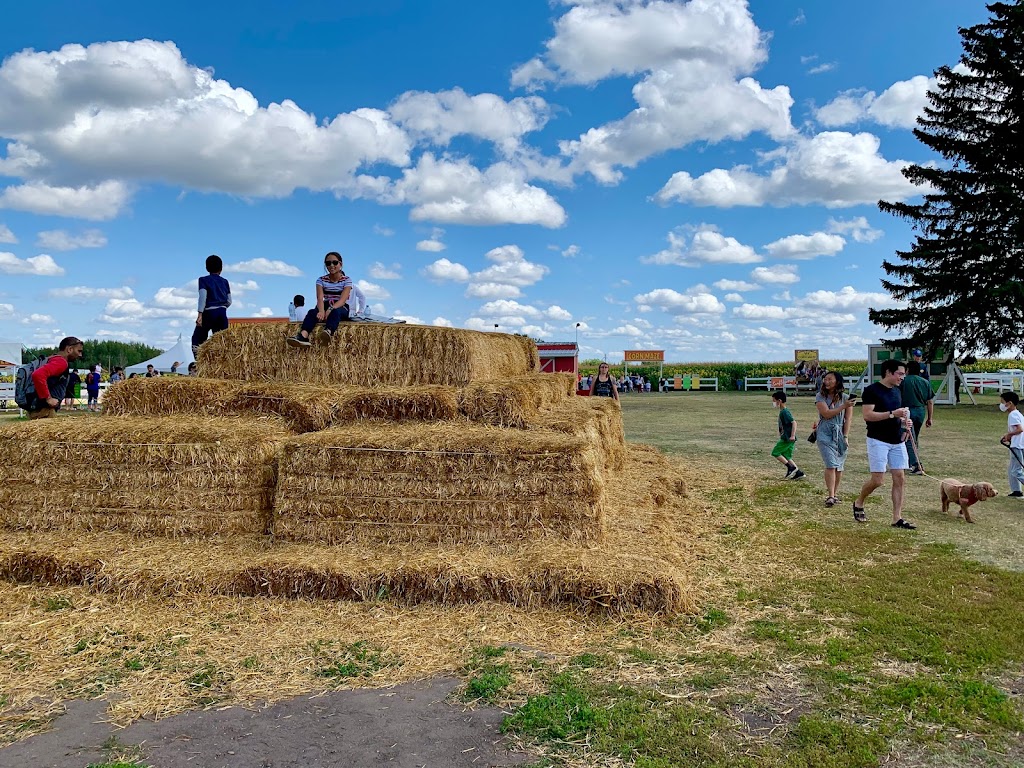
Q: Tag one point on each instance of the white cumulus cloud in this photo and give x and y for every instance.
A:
(454, 191)
(61, 240)
(379, 271)
(439, 117)
(834, 169)
(140, 112)
(81, 293)
(675, 303)
(6, 236)
(262, 266)
(42, 265)
(372, 290)
(706, 245)
(898, 106)
(777, 274)
(99, 202)
(806, 246)
(445, 270)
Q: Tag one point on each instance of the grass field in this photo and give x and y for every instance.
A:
(819, 642)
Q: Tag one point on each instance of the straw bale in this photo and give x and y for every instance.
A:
(165, 395)
(595, 419)
(368, 354)
(437, 482)
(512, 402)
(311, 407)
(162, 475)
(643, 564)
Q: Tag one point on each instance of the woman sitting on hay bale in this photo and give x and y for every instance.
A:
(332, 294)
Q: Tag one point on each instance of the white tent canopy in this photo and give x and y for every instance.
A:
(10, 354)
(180, 353)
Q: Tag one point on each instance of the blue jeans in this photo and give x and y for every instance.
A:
(334, 319)
(214, 321)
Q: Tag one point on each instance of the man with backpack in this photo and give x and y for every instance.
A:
(42, 385)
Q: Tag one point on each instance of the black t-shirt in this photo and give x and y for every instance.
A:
(884, 399)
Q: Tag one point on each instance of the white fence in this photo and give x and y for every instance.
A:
(789, 384)
(978, 383)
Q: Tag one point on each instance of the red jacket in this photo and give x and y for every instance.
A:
(55, 366)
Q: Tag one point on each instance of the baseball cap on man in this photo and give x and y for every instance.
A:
(916, 352)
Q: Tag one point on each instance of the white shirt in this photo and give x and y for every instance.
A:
(1015, 418)
(357, 300)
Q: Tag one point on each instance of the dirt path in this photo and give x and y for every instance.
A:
(408, 726)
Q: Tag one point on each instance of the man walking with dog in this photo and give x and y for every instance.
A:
(889, 425)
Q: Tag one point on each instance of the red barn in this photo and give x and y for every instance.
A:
(559, 357)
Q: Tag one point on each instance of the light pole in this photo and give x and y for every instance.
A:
(495, 326)
(577, 337)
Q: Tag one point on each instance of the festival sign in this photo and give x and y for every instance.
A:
(644, 356)
(806, 355)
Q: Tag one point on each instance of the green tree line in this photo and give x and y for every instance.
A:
(106, 353)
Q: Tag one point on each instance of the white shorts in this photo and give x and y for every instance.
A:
(882, 456)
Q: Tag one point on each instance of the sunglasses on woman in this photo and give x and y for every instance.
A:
(332, 263)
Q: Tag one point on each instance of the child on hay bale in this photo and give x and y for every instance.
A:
(332, 294)
(214, 300)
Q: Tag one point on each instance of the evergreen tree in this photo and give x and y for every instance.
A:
(960, 283)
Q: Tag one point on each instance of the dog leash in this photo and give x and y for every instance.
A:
(917, 452)
(1012, 453)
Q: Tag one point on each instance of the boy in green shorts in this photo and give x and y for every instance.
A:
(783, 450)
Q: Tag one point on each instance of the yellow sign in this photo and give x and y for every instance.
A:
(644, 356)
(807, 355)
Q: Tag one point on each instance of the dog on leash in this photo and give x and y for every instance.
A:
(964, 494)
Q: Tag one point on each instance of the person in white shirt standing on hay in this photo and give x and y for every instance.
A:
(332, 294)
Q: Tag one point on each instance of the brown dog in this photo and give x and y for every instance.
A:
(965, 495)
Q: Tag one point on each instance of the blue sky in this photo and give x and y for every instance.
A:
(698, 177)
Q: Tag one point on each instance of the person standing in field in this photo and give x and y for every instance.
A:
(888, 425)
(214, 300)
(1014, 440)
(918, 357)
(917, 395)
(332, 294)
(833, 431)
(783, 450)
(52, 377)
(92, 388)
(604, 384)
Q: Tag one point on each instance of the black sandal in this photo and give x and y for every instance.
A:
(858, 514)
(904, 524)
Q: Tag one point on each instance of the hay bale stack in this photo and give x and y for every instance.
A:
(312, 407)
(438, 482)
(160, 476)
(513, 402)
(597, 420)
(368, 354)
(646, 561)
